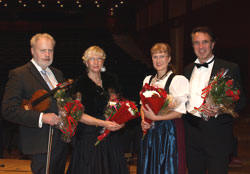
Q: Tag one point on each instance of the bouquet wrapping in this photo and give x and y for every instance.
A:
(70, 112)
(157, 99)
(120, 112)
(220, 94)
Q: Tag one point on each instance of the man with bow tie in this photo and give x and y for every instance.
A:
(34, 126)
(208, 143)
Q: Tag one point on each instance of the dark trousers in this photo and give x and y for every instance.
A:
(208, 144)
(58, 157)
(181, 149)
(235, 148)
(38, 163)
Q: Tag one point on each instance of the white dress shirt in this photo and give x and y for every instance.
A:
(199, 80)
(178, 88)
(53, 80)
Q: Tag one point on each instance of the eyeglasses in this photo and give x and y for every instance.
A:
(99, 59)
(159, 56)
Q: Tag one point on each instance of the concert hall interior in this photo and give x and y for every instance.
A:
(126, 30)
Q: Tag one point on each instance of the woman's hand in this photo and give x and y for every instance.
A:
(145, 125)
(149, 113)
(113, 126)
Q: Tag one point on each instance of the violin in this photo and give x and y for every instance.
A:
(40, 100)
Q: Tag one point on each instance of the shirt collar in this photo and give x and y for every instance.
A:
(38, 67)
(197, 60)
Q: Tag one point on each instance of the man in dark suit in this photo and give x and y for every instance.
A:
(34, 126)
(208, 143)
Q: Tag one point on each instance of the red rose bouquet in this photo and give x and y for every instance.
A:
(120, 112)
(221, 94)
(70, 112)
(157, 99)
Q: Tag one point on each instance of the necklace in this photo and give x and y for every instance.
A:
(96, 80)
(162, 77)
(99, 82)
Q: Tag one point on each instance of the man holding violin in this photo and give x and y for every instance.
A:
(35, 123)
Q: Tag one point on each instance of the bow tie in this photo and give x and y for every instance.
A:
(198, 65)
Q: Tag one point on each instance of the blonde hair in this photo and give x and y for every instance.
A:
(93, 50)
(38, 36)
(161, 48)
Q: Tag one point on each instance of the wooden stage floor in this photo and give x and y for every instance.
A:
(15, 166)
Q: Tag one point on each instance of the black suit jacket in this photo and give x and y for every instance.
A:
(218, 133)
(233, 72)
(23, 82)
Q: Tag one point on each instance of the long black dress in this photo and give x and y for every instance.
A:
(107, 157)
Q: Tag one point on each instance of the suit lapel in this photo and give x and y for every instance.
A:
(37, 75)
(216, 67)
(189, 71)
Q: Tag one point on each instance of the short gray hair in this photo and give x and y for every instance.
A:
(38, 36)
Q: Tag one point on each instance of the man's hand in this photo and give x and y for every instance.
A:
(51, 119)
(209, 110)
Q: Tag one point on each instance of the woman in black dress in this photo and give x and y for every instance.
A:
(107, 157)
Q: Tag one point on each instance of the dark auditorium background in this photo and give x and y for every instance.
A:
(126, 30)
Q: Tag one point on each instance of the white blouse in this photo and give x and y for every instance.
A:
(178, 88)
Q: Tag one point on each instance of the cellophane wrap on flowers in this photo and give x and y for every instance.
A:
(157, 99)
(70, 111)
(119, 112)
(221, 94)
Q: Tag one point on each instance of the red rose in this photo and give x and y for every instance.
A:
(229, 92)
(155, 102)
(120, 116)
(238, 92)
(236, 97)
(229, 83)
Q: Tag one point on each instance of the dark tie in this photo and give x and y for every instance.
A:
(198, 65)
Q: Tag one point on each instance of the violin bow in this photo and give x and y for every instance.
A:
(49, 149)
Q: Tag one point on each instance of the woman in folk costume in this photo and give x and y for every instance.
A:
(162, 149)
